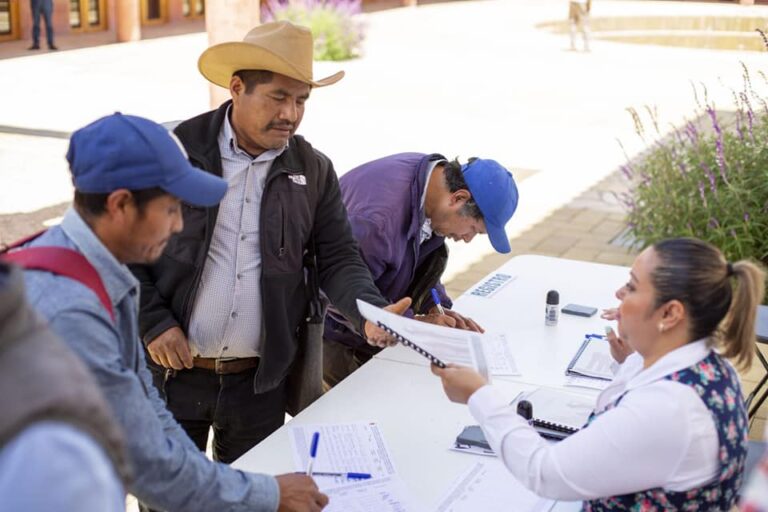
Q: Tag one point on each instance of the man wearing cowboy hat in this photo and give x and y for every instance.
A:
(221, 311)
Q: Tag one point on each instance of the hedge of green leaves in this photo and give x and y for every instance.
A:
(709, 182)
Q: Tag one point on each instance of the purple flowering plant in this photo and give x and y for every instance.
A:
(707, 179)
(336, 27)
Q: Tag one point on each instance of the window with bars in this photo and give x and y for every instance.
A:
(193, 8)
(94, 13)
(6, 21)
(89, 11)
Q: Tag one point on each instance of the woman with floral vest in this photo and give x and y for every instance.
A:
(670, 432)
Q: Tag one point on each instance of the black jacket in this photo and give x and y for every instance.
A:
(288, 217)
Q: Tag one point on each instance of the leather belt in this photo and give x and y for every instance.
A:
(226, 366)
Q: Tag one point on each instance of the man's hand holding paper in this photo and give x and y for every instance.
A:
(377, 336)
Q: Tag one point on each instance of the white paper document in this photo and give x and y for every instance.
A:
(342, 448)
(577, 381)
(488, 354)
(387, 494)
(472, 450)
(594, 360)
(489, 487)
(499, 355)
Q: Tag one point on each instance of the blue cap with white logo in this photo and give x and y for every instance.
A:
(122, 151)
(494, 190)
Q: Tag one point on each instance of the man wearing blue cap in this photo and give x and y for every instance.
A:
(130, 177)
(402, 208)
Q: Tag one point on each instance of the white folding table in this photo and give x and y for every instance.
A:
(398, 392)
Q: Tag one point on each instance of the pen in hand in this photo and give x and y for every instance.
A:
(313, 452)
(436, 299)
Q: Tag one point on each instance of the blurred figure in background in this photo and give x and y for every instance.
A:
(578, 19)
(44, 9)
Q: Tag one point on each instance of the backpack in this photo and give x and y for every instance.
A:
(59, 261)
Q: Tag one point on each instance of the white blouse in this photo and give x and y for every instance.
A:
(660, 435)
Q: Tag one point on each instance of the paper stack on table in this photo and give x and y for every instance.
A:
(377, 495)
(352, 448)
(489, 487)
(577, 381)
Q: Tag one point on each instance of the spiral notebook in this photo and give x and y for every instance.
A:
(379, 317)
(558, 414)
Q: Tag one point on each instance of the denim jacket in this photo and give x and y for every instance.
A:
(170, 472)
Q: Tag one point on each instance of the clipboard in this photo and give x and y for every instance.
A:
(593, 359)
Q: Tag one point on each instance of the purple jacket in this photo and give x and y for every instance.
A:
(382, 199)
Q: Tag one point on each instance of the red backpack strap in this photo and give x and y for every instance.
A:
(63, 262)
(4, 248)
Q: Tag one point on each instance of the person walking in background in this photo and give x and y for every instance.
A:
(578, 19)
(42, 8)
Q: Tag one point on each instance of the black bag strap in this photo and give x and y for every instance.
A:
(315, 313)
(316, 174)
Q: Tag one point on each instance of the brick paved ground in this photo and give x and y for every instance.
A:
(589, 229)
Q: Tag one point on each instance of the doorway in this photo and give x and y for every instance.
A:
(87, 15)
(194, 9)
(9, 20)
(154, 12)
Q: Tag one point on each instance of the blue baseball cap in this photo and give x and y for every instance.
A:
(121, 151)
(494, 190)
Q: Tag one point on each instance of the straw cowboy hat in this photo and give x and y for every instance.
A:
(280, 46)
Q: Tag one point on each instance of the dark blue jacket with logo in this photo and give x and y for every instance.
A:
(383, 198)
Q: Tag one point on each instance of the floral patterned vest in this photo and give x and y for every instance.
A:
(717, 385)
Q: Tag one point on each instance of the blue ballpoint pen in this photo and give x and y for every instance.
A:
(436, 298)
(348, 476)
(313, 452)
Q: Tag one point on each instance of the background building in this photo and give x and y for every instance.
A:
(127, 20)
(116, 17)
